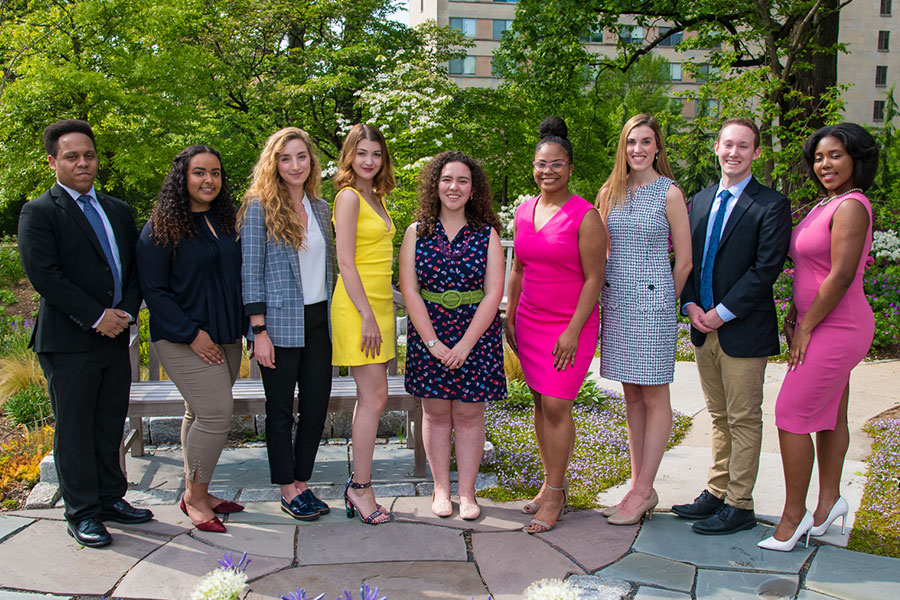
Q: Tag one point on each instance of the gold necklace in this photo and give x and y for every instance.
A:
(828, 199)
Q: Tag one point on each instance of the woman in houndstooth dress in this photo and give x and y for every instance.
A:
(641, 204)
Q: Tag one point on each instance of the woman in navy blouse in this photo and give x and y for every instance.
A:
(189, 261)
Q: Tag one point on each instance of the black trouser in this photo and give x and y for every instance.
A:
(309, 368)
(89, 394)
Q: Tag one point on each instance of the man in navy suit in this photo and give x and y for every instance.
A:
(77, 247)
(740, 232)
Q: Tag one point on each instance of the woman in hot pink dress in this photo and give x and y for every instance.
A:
(552, 313)
(829, 329)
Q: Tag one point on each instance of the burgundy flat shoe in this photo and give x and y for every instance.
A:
(226, 507)
(214, 525)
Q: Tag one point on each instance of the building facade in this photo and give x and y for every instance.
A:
(870, 68)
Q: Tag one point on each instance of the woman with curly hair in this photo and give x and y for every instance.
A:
(288, 276)
(189, 263)
(362, 312)
(451, 276)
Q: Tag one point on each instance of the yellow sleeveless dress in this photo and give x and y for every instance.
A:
(374, 258)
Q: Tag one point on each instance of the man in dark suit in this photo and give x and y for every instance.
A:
(77, 247)
(740, 232)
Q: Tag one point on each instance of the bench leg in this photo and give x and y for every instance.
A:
(137, 429)
(419, 442)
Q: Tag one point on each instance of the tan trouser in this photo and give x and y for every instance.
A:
(208, 403)
(733, 388)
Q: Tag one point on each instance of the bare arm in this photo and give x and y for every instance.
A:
(677, 215)
(849, 228)
(592, 250)
(346, 213)
(487, 308)
(513, 292)
(409, 287)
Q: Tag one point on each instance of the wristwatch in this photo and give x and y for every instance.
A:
(257, 329)
(431, 343)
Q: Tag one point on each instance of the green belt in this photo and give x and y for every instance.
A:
(453, 298)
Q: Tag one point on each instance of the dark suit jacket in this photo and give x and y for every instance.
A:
(751, 254)
(66, 265)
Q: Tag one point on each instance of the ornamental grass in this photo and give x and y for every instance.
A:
(20, 463)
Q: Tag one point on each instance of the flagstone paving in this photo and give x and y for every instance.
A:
(421, 556)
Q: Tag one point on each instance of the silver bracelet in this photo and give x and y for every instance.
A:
(790, 322)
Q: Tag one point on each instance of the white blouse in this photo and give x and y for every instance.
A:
(312, 259)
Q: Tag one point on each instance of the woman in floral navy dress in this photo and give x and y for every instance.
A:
(451, 276)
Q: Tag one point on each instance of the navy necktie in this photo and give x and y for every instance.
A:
(96, 222)
(706, 291)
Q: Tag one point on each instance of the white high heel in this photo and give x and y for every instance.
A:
(770, 543)
(840, 509)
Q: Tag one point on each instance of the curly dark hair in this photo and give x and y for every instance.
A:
(171, 217)
(860, 145)
(479, 209)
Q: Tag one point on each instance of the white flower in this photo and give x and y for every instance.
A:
(886, 244)
(221, 584)
(550, 589)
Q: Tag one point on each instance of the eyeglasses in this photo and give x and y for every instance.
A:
(555, 166)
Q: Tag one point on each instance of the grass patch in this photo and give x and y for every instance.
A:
(599, 461)
(877, 526)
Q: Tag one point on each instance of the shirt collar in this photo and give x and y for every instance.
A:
(737, 189)
(75, 195)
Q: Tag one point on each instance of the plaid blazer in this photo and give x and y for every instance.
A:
(270, 274)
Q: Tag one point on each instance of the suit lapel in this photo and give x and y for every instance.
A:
(66, 203)
(743, 203)
(700, 221)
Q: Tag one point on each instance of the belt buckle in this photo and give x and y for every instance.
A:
(451, 299)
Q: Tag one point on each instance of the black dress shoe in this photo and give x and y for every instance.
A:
(123, 512)
(300, 508)
(727, 520)
(308, 496)
(704, 506)
(90, 533)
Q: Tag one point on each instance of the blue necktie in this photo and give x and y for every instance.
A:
(706, 291)
(96, 222)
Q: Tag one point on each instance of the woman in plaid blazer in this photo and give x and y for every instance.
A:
(288, 253)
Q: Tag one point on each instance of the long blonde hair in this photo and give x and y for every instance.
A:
(616, 184)
(384, 182)
(282, 221)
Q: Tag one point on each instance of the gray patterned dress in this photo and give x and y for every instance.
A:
(638, 322)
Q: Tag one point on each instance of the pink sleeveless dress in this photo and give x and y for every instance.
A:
(810, 395)
(551, 284)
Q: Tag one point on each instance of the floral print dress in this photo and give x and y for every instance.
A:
(460, 265)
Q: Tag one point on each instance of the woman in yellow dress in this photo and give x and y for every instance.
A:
(361, 310)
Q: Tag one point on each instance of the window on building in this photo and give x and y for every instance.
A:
(466, 26)
(881, 76)
(631, 34)
(499, 26)
(703, 71)
(878, 111)
(462, 66)
(885, 8)
(672, 40)
(884, 41)
(675, 71)
(593, 37)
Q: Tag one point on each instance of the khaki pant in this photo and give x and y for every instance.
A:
(733, 388)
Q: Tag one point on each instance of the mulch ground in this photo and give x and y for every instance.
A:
(26, 304)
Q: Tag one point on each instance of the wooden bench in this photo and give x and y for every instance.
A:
(155, 398)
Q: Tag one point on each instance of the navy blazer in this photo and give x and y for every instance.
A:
(67, 267)
(750, 257)
(270, 274)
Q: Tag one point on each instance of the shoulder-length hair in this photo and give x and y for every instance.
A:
(170, 219)
(860, 145)
(479, 209)
(282, 221)
(384, 182)
(616, 184)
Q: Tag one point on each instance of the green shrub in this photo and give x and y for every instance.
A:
(29, 406)
(519, 395)
(11, 270)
